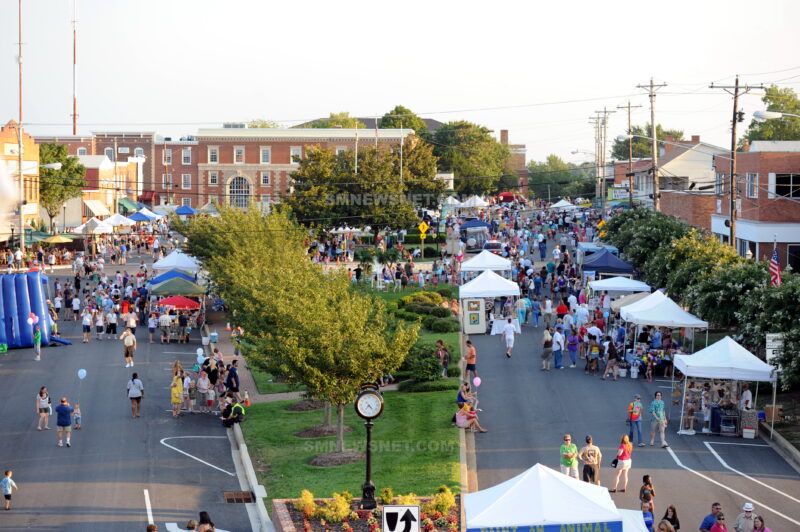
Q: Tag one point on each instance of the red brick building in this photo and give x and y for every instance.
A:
(516, 160)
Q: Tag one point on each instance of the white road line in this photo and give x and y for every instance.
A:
(726, 466)
(179, 353)
(163, 442)
(743, 444)
(149, 509)
(742, 495)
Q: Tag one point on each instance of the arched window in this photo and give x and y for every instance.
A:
(239, 192)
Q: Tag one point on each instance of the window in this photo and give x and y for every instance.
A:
(138, 152)
(340, 150)
(793, 256)
(186, 202)
(186, 155)
(295, 154)
(752, 185)
(238, 155)
(123, 149)
(186, 181)
(213, 178)
(265, 178)
(265, 198)
(109, 153)
(167, 156)
(239, 192)
(787, 185)
(166, 181)
(719, 183)
(82, 151)
(266, 154)
(213, 155)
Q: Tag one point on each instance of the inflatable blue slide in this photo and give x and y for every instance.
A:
(20, 295)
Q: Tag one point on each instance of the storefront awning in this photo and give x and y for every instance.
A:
(148, 195)
(96, 207)
(127, 205)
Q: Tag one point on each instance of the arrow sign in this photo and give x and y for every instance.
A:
(392, 518)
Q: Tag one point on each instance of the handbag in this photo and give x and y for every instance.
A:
(615, 462)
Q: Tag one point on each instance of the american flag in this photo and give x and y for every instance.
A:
(774, 269)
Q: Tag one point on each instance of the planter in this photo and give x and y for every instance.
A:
(634, 373)
(623, 372)
(205, 340)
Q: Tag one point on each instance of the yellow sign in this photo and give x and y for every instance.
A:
(422, 236)
(423, 227)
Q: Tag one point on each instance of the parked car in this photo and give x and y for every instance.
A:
(493, 246)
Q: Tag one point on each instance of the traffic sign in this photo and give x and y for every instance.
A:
(397, 518)
(423, 227)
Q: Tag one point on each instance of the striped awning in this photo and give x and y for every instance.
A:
(97, 207)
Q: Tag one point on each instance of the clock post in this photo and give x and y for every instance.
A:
(369, 405)
(368, 488)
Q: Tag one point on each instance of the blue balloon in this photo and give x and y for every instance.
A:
(605, 314)
(200, 359)
(81, 374)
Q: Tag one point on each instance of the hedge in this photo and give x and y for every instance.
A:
(410, 386)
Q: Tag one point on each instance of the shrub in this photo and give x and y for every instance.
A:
(453, 370)
(407, 500)
(387, 495)
(428, 322)
(422, 308)
(441, 385)
(426, 369)
(336, 509)
(306, 503)
(441, 312)
(420, 297)
(408, 316)
(441, 503)
(445, 291)
(443, 325)
(347, 496)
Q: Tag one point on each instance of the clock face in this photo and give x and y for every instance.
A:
(369, 405)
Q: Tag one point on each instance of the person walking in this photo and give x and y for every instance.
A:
(671, 516)
(591, 457)
(569, 457)
(64, 422)
(612, 356)
(8, 486)
(471, 358)
(232, 380)
(759, 525)
(135, 394)
(129, 346)
(508, 337)
(623, 463)
(710, 519)
(745, 522)
(719, 524)
(547, 349)
(86, 323)
(558, 347)
(635, 419)
(658, 420)
(43, 405)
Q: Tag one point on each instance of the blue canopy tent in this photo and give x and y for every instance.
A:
(474, 223)
(185, 210)
(142, 217)
(604, 261)
(171, 274)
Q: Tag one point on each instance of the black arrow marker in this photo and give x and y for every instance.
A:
(408, 518)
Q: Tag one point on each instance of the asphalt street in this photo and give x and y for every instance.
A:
(527, 412)
(117, 466)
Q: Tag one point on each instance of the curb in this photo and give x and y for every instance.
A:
(784, 448)
(265, 524)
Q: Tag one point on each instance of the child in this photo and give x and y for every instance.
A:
(77, 415)
(651, 364)
(210, 399)
(8, 486)
(192, 395)
(647, 492)
(37, 343)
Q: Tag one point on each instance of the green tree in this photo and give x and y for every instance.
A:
(473, 155)
(642, 147)
(718, 296)
(58, 186)
(556, 178)
(782, 100)
(404, 117)
(419, 172)
(262, 123)
(640, 233)
(342, 120)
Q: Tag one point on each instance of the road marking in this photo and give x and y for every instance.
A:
(173, 527)
(179, 353)
(163, 442)
(744, 444)
(726, 466)
(742, 495)
(149, 509)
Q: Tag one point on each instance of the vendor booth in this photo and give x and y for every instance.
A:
(486, 260)
(562, 204)
(618, 303)
(543, 500)
(177, 260)
(619, 284)
(712, 389)
(473, 297)
(605, 262)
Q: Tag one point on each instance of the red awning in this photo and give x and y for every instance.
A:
(148, 195)
(179, 302)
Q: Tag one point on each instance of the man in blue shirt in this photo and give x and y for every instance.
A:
(232, 381)
(711, 518)
(64, 421)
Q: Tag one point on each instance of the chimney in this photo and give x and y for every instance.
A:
(504, 137)
(695, 138)
(745, 145)
(668, 147)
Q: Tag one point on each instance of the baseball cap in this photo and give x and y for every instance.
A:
(748, 507)
(637, 396)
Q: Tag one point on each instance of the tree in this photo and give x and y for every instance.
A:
(787, 128)
(640, 233)
(262, 123)
(555, 178)
(473, 155)
(403, 117)
(718, 296)
(642, 147)
(419, 172)
(342, 120)
(56, 187)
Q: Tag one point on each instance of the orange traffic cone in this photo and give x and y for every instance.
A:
(246, 398)
(228, 327)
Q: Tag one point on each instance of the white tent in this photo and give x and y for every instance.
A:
(474, 201)
(562, 204)
(165, 210)
(488, 284)
(543, 499)
(486, 260)
(150, 214)
(451, 200)
(620, 284)
(725, 359)
(643, 304)
(117, 220)
(666, 313)
(94, 227)
(617, 304)
(177, 259)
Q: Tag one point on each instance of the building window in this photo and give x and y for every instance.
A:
(82, 151)
(239, 192)
(138, 152)
(238, 155)
(719, 183)
(186, 155)
(340, 150)
(265, 198)
(295, 154)
(265, 178)
(123, 149)
(186, 181)
(266, 154)
(109, 153)
(166, 181)
(213, 155)
(213, 178)
(793, 256)
(787, 185)
(167, 156)
(186, 202)
(752, 185)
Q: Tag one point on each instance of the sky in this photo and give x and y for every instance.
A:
(539, 69)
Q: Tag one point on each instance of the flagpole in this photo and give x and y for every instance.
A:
(355, 153)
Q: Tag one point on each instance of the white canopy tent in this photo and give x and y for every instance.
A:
(488, 284)
(665, 313)
(486, 260)
(619, 284)
(474, 201)
(147, 212)
(543, 499)
(177, 260)
(562, 204)
(643, 304)
(94, 227)
(617, 304)
(451, 201)
(119, 220)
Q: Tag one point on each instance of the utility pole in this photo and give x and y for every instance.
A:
(738, 116)
(595, 120)
(19, 141)
(602, 155)
(651, 90)
(630, 151)
(75, 67)
(116, 180)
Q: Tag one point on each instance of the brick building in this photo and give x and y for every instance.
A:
(768, 204)
(11, 136)
(516, 160)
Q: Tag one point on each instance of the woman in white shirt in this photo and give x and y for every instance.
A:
(86, 323)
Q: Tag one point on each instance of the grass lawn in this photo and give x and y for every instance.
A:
(415, 448)
(265, 385)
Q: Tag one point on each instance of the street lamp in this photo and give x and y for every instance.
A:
(762, 116)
